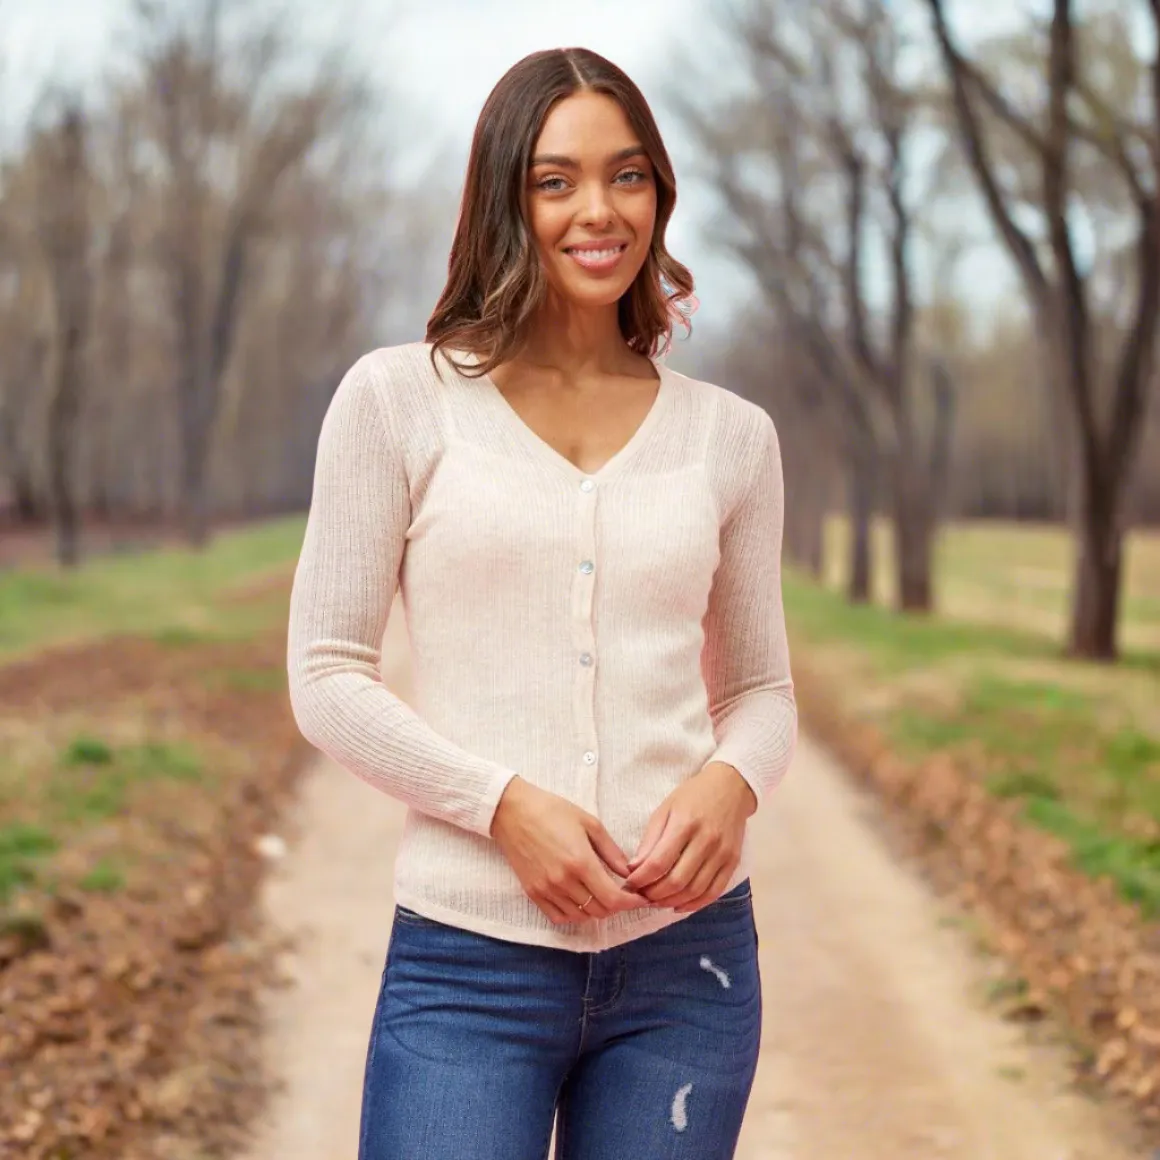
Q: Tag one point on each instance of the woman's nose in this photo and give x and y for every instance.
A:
(596, 210)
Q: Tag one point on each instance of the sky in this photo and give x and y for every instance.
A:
(441, 58)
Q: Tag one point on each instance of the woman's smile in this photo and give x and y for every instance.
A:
(597, 257)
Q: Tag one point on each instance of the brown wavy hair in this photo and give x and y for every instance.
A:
(495, 283)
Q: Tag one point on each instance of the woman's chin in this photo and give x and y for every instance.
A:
(593, 297)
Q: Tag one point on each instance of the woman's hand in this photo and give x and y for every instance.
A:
(561, 854)
(693, 841)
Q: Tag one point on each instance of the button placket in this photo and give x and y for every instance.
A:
(584, 642)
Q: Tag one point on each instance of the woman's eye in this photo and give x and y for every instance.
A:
(558, 184)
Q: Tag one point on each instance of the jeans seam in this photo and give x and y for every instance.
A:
(365, 1126)
(618, 991)
(370, 1061)
(561, 1130)
(555, 1120)
(585, 1006)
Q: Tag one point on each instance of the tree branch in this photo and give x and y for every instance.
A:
(1003, 109)
(1155, 5)
(1113, 145)
(890, 109)
(1134, 374)
(970, 128)
(1072, 301)
(855, 175)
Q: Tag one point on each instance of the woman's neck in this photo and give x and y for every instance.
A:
(578, 343)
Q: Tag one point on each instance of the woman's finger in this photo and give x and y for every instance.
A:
(584, 902)
(606, 848)
(661, 859)
(682, 872)
(703, 878)
(607, 894)
(652, 834)
(553, 910)
(715, 890)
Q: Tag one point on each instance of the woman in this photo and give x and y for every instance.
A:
(587, 546)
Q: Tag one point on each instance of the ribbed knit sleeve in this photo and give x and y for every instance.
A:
(344, 585)
(746, 654)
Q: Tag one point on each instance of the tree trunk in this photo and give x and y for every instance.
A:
(913, 538)
(61, 448)
(28, 378)
(803, 530)
(26, 501)
(860, 501)
(194, 474)
(1099, 568)
(944, 396)
(814, 531)
(65, 234)
(194, 402)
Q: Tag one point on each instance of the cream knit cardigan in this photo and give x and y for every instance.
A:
(604, 635)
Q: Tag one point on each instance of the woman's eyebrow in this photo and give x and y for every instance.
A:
(570, 163)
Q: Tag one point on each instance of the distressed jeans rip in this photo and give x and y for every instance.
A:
(680, 1115)
(707, 964)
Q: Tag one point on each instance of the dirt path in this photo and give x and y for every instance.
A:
(876, 1043)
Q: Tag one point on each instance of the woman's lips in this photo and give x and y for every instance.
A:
(597, 260)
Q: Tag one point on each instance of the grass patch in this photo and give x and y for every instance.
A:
(87, 751)
(106, 877)
(892, 642)
(1133, 865)
(176, 595)
(106, 794)
(22, 849)
(181, 636)
(994, 694)
(1022, 785)
(1045, 744)
(84, 790)
(246, 680)
(1014, 575)
(1007, 988)
(985, 680)
(1129, 753)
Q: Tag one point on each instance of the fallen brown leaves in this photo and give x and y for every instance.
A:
(129, 1021)
(1082, 950)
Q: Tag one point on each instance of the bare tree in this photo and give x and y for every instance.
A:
(247, 234)
(1105, 383)
(25, 349)
(828, 114)
(227, 152)
(63, 229)
(112, 450)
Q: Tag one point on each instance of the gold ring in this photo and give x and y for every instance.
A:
(587, 900)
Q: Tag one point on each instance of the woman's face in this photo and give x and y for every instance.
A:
(592, 200)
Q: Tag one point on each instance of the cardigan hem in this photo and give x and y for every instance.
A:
(582, 938)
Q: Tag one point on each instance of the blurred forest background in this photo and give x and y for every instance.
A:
(192, 254)
(927, 239)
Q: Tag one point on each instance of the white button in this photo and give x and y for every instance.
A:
(586, 567)
(587, 485)
(586, 659)
(590, 758)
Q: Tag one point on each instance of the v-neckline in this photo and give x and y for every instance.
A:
(545, 450)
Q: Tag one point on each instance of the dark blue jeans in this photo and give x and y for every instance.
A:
(643, 1052)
